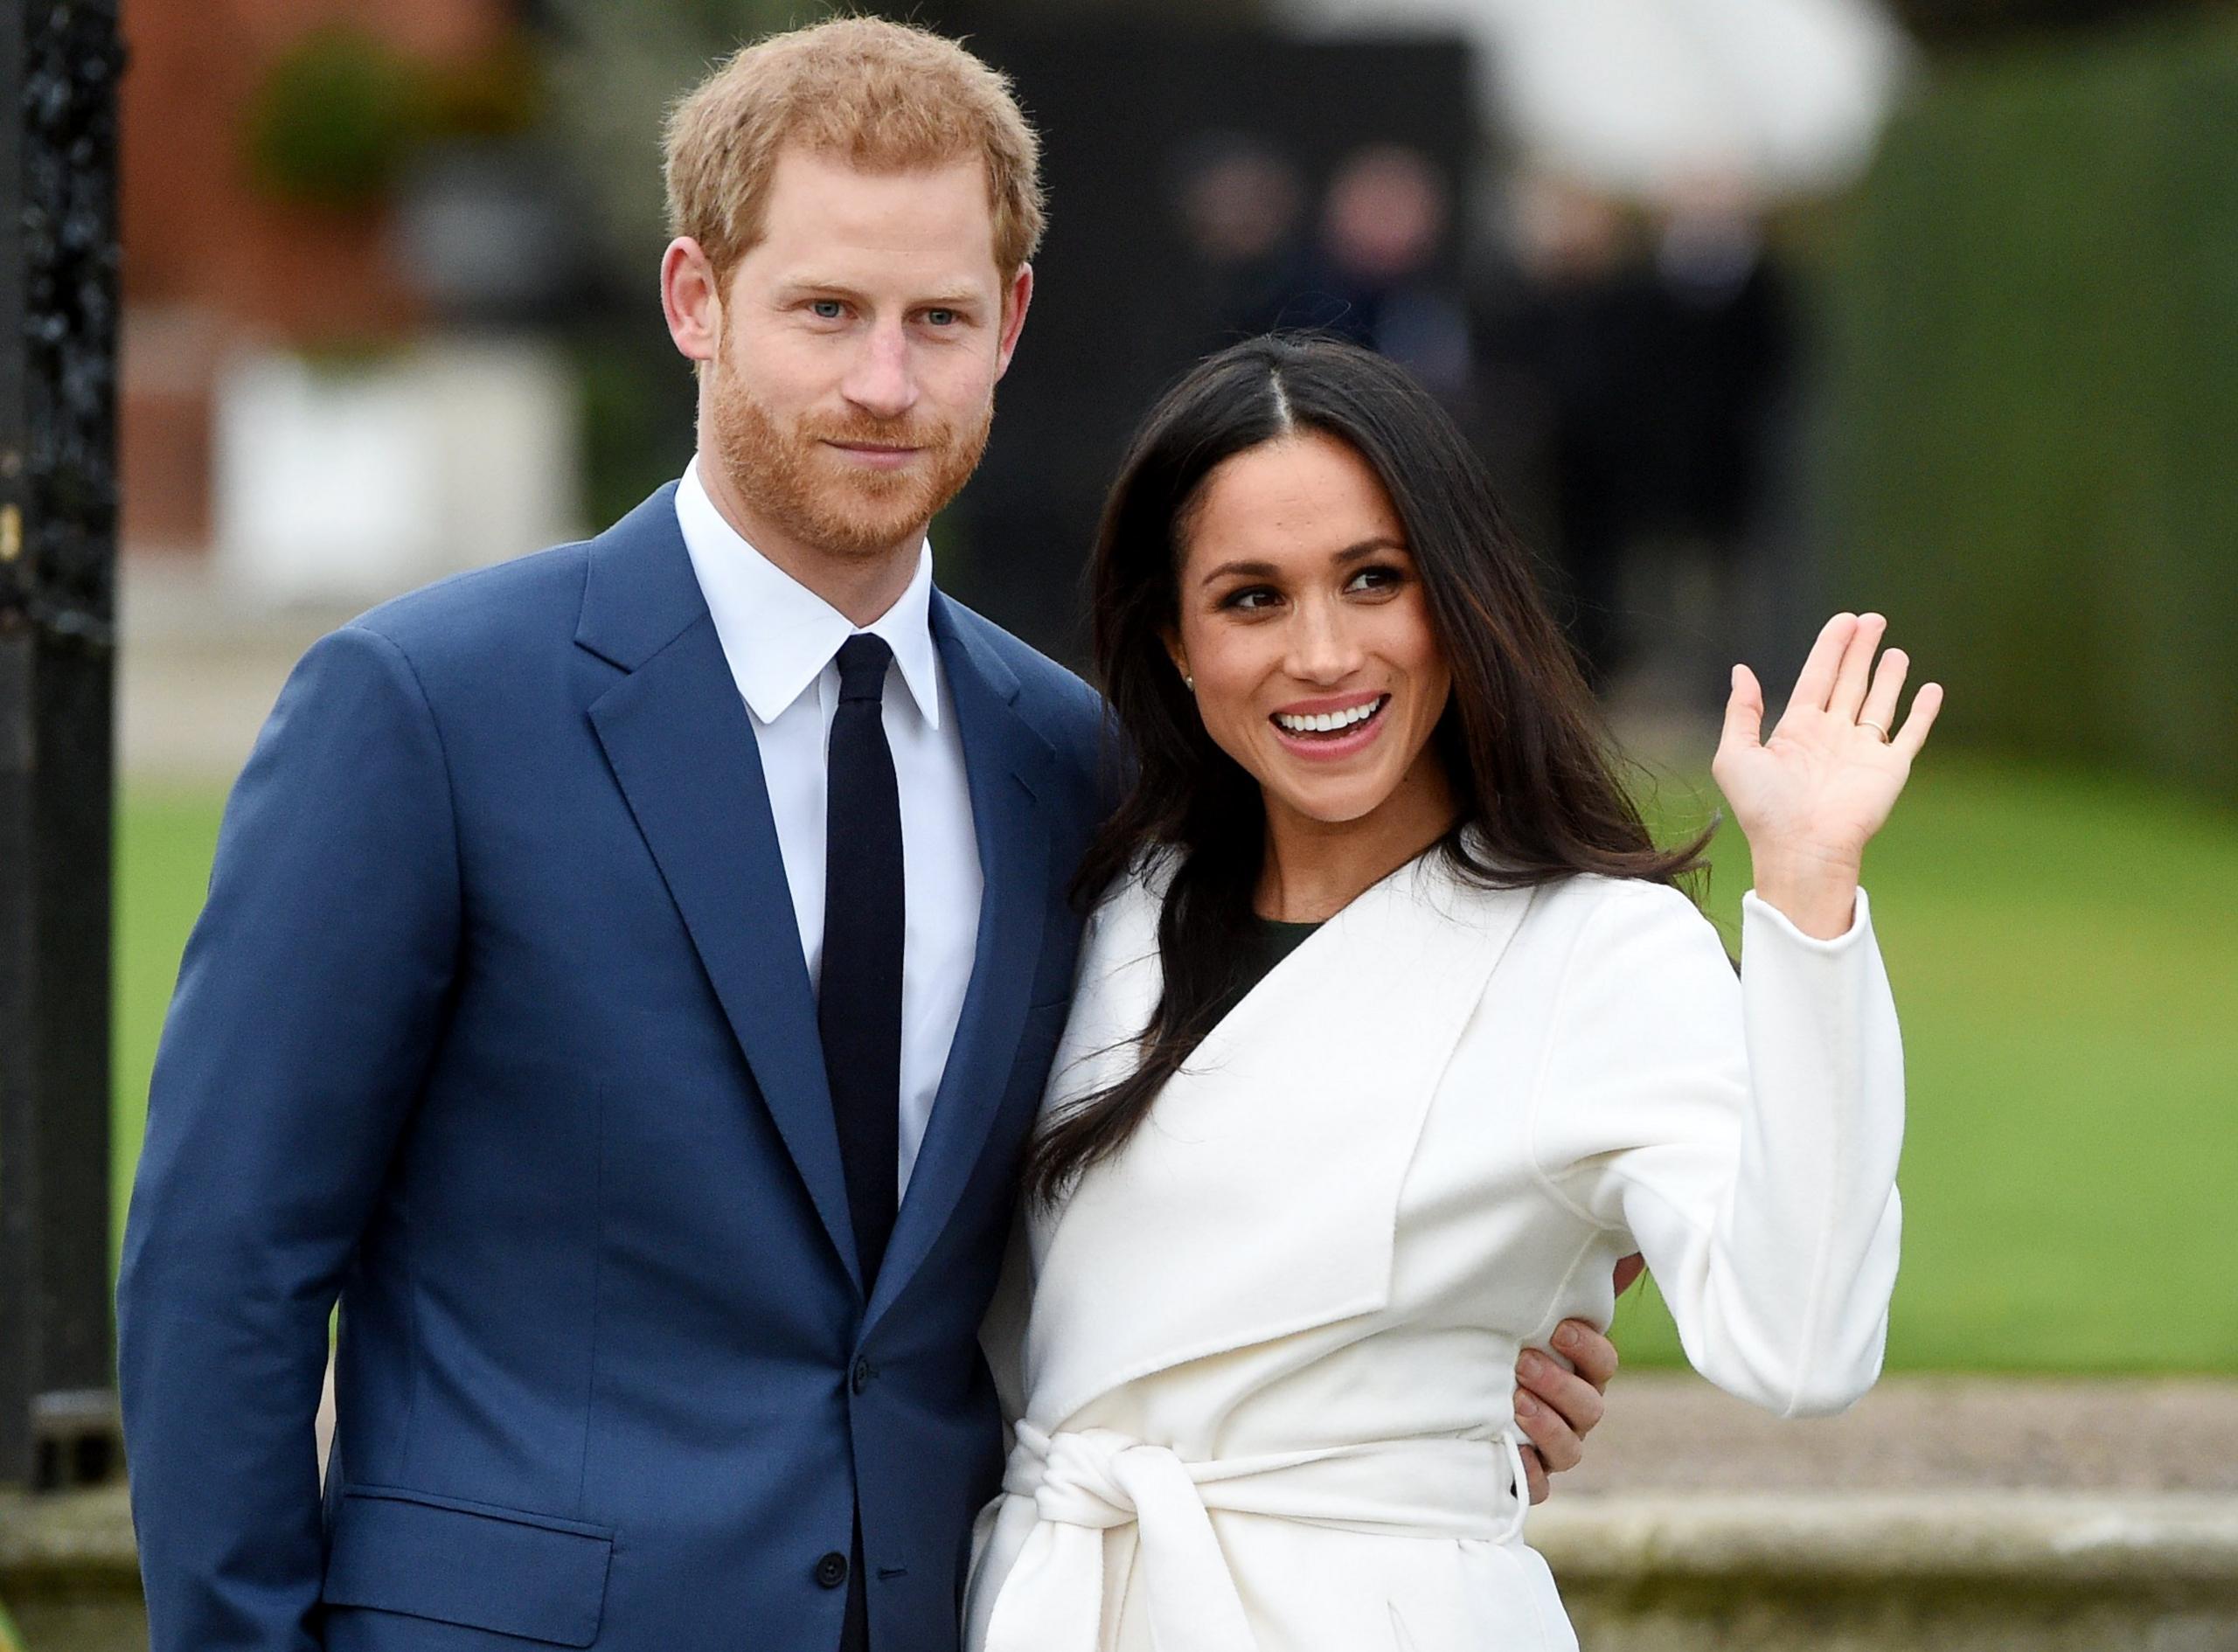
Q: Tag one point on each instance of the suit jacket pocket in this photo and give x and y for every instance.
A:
(468, 1564)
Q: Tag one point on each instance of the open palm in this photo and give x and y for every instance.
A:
(1824, 781)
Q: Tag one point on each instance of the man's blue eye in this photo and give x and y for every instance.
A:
(828, 308)
(940, 317)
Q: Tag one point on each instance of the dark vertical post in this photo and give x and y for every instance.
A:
(59, 61)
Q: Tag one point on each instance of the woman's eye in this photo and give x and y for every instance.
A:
(1251, 597)
(1374, 579)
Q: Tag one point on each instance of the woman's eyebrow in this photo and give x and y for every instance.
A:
(1248, 570)
(1267, 571)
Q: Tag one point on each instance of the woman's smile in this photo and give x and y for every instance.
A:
(1332, 728)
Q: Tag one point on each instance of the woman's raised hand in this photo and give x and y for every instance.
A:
(1811, 796)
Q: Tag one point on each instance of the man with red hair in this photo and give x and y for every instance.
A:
(628, 980)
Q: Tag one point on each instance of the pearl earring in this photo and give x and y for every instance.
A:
(1189, 682)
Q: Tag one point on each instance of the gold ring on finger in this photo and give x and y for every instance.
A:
(1867, 723)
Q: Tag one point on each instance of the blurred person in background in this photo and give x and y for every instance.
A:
(1570, 340)
(1652, 355)
(1717, 380)
(1378, 274)
(628, 980)
(1239, 201)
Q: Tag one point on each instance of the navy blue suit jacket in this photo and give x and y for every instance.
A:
(496, 1027)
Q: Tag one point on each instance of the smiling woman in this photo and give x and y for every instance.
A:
(1298, 532)
(1391, 1044)
(1304, 631)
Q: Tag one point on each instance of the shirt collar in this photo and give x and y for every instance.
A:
(777, 634)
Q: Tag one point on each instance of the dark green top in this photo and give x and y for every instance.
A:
(1265, 944)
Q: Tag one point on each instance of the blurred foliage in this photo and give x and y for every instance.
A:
(335, 119)
(1971, 22)
(2033, 395)
(616, 65)
(638, 403)
(498, 93)
(341, 113)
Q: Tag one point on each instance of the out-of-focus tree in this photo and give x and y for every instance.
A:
(1966, 23)
(2031, 397)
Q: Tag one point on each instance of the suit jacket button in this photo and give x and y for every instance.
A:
(831, 1571)
(862, 1378)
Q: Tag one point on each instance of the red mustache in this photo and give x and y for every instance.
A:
(872, 432)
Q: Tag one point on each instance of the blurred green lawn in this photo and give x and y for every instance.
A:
(2065, 952)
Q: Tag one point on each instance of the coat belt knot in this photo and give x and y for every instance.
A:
(1085, 1483)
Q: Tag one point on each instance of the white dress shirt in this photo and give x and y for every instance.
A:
(779, 638)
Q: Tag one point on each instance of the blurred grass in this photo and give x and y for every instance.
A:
(165, 838)
(2065, 952)
(2064, 949)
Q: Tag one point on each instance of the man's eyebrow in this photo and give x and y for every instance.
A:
(1350, 553)
(798, 286)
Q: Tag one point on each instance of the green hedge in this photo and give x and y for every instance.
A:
(2032, 422)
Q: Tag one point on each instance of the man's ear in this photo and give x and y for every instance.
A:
(691, 299)
(1015, 302)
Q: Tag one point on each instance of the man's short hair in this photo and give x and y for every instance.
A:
(881, 96)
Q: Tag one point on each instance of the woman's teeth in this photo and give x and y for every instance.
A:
(1330, 722)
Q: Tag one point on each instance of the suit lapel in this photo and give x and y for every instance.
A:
(682, 748)
(1006, 761)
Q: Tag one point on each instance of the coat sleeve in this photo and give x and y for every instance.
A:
(309, 1000)
(1744, 1133)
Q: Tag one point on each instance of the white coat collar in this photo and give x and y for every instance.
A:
(1260, 1196)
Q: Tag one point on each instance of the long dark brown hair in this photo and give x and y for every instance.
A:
(1521, 739)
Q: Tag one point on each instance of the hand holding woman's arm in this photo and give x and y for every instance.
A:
(1811, 796)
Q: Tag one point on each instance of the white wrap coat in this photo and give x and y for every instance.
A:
(1266, 1382)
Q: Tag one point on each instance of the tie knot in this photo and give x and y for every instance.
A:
(863, 660)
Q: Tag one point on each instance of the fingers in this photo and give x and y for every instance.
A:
(1847, 700)
(1535, 1473)
(1560, 1447)
(1816, 681)
(1744, 711)
(1592, 1355)
(1880, 707)
(1913, 735)
(1557, 1409)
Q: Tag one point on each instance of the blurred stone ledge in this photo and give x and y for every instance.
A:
(2044, 1571)
(1657, 1572)
(2060, 1539)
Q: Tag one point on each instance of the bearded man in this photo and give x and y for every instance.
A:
(629, 977)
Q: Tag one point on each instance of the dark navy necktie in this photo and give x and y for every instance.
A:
(859, 1006)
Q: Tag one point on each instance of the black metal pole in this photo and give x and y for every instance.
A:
(59, 61)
